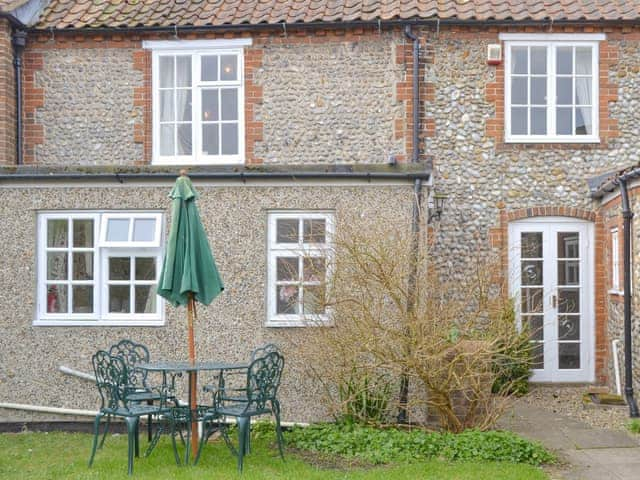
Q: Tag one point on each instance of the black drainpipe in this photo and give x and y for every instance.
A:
(415, 220)
(19, 41)
(627, 215)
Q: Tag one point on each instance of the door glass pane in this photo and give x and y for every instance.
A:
(538, 121)
(57, 232)
(568, 300)
(83, 233)
(568, 245)
(519, 60)
(519, 91)
(287, 268)
(82, 299)
(568, 272)
(531, 300)
(583, 121)
(118, 229)
(119, 268)
(57, 266)
(209, 68)
(537, 356)
(145, 299)
(119, 299)
(564, 122)
(531, 245)
(568, 355)
(314, 231)
(583, 60)
(583, 91)
(569, 327)
(82, 266)
(531, 273)
(287, 230)
(57, 298)
(564, 60)
(564, 90)
(229, 134)
(538, 60)
(183, 71)
(535, 324)
(166, 71)
(144, 229)
(145, 268)
(287, 299)
(539, 91)
(210, 140)
(519, 120)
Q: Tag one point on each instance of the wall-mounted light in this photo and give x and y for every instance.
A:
(435, 205)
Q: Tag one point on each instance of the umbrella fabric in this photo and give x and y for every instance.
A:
(189, 266)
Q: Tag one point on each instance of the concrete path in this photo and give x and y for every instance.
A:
(591, 453)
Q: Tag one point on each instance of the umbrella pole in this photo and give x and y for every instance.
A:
(192, 376)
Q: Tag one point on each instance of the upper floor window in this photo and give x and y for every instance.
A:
(551, 88)
(99, 268)
(615, 261)
(198, 101)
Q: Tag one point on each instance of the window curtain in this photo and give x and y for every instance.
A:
(583, 91)
(183, 109)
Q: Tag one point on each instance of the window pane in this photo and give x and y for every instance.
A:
(564, 60)
(563, 121)
(568, 272)
(82, 266)
(519, 121)
(145, 268)
(229, 101)
(144, 229)
(531, 245)
(568, 300)
(583, 60)
(228, 67)
(57, 266)
(531, 300)
(287, 230)
(118, 230)
(539, 91)
(538, 121)
(569, 355)
(569, 327)
(313, 302)
(538, 60)
(82, 300)
(210, 140)
(287, 269)
(287, 299)
(210, 105)
(229, 133)
(57, 232)
(183, 71)
(57, 299)
(145, 299)
(184, 139)
(568, 245)
(183, 105)
(313, 269)
(519, 91)
(583, 121)
(209, 68)
(166, 72)
(167, 113)
(167, 133)
(119, 268)
(535, 324)
(531, 272)
(564, 93)
(519, 60)
(583, 91)
(314, 230)
(119, 299)
(83, 233)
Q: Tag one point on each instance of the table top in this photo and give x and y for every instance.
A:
(181, 366)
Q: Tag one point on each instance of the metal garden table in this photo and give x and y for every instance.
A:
(174, 367)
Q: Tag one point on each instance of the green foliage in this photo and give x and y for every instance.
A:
(512, 364)
(364, 398)
(380, 446)
(634, 426)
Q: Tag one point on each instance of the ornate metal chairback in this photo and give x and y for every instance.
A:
(264, 350)
(132, 353)
(111, 379)
(263, 380)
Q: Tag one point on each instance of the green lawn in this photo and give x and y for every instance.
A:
(64, 455)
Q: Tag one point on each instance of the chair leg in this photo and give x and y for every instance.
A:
(96, 433)
(137, 438)
(106, 430)
(275, 405)
(206, 433)
(149, 423)
(173, 442)
(132, 432)
(243, 427)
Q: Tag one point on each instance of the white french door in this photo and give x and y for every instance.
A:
(551, 270)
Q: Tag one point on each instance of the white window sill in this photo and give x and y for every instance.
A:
(98, 323)
(528, 139)
(616, 292)
(178, 161)
(298, 323)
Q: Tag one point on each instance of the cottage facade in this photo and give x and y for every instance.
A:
(293, 121)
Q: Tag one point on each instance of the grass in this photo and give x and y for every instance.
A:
(64, 455)
(634, 426)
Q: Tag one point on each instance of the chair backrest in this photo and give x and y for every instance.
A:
(263, 380)
(111, 379)
(132, 354)
(263, 350)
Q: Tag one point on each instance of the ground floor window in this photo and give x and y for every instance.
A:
(299, 259)
(99, 268)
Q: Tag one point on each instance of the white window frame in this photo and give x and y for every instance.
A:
(197, 48)
(615, 261)
(101, 252)
(552, 41)
(275, 250)
(130, 243)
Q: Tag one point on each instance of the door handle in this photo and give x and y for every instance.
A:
(553, 301)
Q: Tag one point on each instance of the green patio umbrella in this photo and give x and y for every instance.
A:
(189, 272)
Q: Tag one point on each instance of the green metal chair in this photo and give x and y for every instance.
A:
(260, 397)
(263, 350)
(112, 381)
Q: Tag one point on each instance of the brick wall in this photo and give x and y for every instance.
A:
(7, 97)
